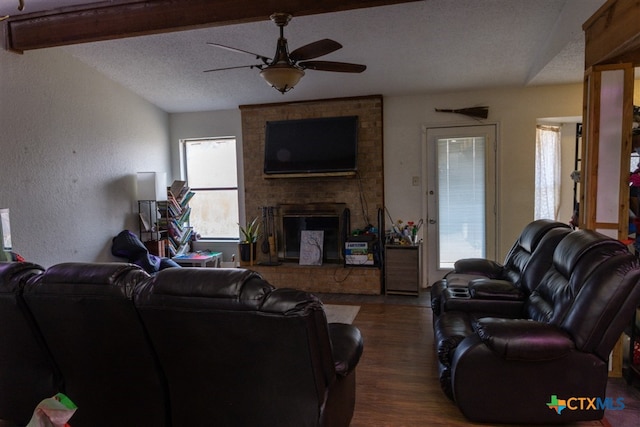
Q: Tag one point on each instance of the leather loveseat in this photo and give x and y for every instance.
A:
(479, 281)
(536, 365)
(185, 347)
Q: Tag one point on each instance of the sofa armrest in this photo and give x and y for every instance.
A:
(495, 289)
(480, 266)
(523, 339)
(493, 391)
(346, 346)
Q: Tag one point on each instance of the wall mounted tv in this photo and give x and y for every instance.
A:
(325, 146)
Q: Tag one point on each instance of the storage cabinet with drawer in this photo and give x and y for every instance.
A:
(403, 269)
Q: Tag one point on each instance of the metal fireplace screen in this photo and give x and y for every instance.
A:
(331, 220)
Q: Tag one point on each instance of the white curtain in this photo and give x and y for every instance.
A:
(547, 193)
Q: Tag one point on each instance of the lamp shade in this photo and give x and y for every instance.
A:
(282, 78)
(152, 186)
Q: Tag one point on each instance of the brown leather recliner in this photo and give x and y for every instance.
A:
(237, 352)
(534, 368)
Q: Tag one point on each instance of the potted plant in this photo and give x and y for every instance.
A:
(249, 235)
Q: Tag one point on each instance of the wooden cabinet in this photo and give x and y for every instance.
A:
(403, 269)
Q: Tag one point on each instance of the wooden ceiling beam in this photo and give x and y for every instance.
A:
(126, 18)
(612, 34)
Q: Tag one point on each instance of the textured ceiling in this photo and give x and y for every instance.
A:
(420, 47)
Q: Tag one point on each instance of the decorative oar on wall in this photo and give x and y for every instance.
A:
(475, 112)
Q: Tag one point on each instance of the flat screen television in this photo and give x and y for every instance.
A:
(320, 146)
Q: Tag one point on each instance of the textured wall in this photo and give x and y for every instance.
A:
(71, 142)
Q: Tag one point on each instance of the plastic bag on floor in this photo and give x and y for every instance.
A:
(53, 412)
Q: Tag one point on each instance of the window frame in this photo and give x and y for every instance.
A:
(547, 171)
(185, 167)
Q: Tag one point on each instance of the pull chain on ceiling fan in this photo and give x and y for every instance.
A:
(286, 69)
(20, 8)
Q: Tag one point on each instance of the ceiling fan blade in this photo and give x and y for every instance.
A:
(340, 67)
(314, 50)
(234, 49)
(233, 68)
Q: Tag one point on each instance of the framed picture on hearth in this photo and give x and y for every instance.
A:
(311, 246)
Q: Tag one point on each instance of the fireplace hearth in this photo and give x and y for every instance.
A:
(331, 218)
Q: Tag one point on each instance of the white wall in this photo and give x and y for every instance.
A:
(514, 110)
(71, 142)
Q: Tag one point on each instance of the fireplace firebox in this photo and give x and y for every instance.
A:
(331, 218)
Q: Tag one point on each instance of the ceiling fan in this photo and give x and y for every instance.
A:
(20, 8)
(285, 69)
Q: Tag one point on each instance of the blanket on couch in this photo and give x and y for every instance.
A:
(127, 245)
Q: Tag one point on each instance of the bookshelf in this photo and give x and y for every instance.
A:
(176, 214)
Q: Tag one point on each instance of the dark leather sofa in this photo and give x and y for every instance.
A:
(21, 346)
(506, 367)
(185, 347)
(479, 282)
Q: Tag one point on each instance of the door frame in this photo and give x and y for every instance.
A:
(493, 231)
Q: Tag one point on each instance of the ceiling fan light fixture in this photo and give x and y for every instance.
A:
(282, 79)
(285, 70)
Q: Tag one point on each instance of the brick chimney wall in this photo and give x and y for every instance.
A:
(369, 182)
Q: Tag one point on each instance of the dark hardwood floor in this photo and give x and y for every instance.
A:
(397, 379)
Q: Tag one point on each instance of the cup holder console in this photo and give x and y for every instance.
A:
(458, 293)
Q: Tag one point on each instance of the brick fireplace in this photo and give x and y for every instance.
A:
(312, 197)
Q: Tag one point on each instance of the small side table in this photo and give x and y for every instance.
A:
(199, 259)
(403, 269)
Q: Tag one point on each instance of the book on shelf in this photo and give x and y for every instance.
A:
(177, 187)
(180, 244)
(187, 197)
(183, 250)
(173, 205)
(184, 217)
